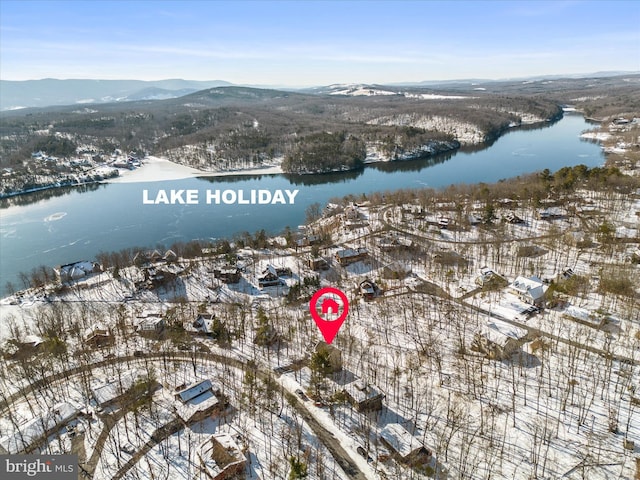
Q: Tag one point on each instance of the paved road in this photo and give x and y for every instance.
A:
(325, 436)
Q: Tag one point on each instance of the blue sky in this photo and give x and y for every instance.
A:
(315, 42)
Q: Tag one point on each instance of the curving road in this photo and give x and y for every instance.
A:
(340, 455)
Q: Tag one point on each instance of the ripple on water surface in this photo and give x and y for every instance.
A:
(55, 216)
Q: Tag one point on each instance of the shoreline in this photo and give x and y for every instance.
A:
(158, 169)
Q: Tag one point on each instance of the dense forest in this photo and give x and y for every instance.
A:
(235, 127)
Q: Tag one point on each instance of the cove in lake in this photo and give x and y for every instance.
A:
(62, 226)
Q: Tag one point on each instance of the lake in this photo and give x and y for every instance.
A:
(63, 227)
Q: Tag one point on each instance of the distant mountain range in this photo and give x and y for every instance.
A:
(49, 91)
(52, 92)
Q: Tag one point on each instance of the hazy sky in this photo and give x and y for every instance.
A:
(315, 42)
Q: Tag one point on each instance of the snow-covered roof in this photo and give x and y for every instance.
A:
(532, 287)
(361, 391)
(399, 439)
(108, 392)
(194, 390)
(76, 270)
(350, 252)
(500, 332)
(208, 451)
(31, 431)
(150, 323)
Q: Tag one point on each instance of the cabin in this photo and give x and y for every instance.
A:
(147, 257)
(98, 337)
(413, 209)
(170, 256)
(76, 271)
(404, 447)
(364, 397)
(351, 213)
(228, 274)
(120, 389)
(308, 240)
(551, 213)
(529, 290)
(283, 271)
(499, 340)
(29, 434)
(368, 289)
(186, 394)
(512, 218)
(198, 401)
(348, 256)
(151, 325)
(269, 277)
(443, 222)
(203, 322)
(221, 458)
(393, 242)
(317, 263)
(334, 355)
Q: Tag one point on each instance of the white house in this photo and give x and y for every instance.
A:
(530, 290)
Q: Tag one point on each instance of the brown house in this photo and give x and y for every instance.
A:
(349, 255)
(404, 447)
(221, 458)
(228, 274)
(364, 397)
(99, 337)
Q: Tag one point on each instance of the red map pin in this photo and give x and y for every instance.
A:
(325, 310)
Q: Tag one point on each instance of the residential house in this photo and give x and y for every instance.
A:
(203, 322)
(269, 277)
(351, 213)
(151, 325)
(413, 209)
(221, 458)
(228, 274)
(76, 271)
(368, 289)
(404, 447)
(185, 394)
(334, 355)
(114, 389)
(529, 290)
(198, 401)
(308, 240)
(443, 222)
(364, 397)
(393, 242)
(98, 337)
(283, 271)
(511, 217)
(29, 434)
(317, 263)
(551, 213)
(170, 256)
(348, 256)
(155, 276)
(499, 340)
